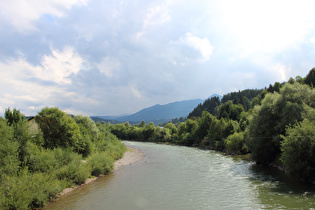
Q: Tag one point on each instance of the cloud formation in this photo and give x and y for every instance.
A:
(191, 48)
(100, 57)
(22, 14)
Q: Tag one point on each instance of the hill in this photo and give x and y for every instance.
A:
(156, 114)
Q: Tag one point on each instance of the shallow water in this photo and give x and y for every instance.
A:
(175, 177)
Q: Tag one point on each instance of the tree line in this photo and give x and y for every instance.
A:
(276, 126)
(36, 165)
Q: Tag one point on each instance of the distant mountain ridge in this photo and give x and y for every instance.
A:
(157, 113)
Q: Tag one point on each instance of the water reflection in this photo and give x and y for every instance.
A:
(277, 190)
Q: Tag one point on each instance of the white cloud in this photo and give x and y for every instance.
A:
(280, 71)
(108, 66)
(22, 14)
(190, 48)
(265, 26)
(156, 15)
(24, 83)
(59, 66)
(136, 92)
(203, 45)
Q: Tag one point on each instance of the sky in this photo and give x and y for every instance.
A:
(115, 57)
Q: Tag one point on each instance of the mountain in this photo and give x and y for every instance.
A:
(157, 113)
(163, 113)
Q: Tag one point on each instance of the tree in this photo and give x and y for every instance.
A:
(148, 131)
(209, 105)
(270, 120)
(254, 102)
(298, 150)
(59, 129)
(171, 127)
(9, 162)
(14, 116)
(235, 143)
(277, 86)
(89, 124)
(310, 78)
(231, 111)
(89, 133)
(142, 124)
(204, 124)
(299, 79)
(245, 103)
(21, 134)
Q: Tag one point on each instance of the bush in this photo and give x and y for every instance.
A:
(43, 161)
(75, 172)
(101, 163)
(28, 191)
(235, 144)
(9, 159)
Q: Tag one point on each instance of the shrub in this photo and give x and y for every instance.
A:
(28, 191)
(9, 160)
(75, 172)
(43, 161)
(235, 143)
(101, 163)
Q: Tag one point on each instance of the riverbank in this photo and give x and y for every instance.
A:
(131, 156)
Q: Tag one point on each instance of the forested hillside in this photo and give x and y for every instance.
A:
(242, 97)
(37, 164)
(276, 125)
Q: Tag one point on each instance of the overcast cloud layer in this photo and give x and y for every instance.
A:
(104, 57)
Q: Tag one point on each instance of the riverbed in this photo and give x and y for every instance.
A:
(176, 177)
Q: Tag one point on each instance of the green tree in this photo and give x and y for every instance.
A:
(89, 124)
(277, 86)
(59, 129)
(310, 78)
(171, 127)
(204, 124)
(254, 102)
(235, 143)
(148, 131)
(299, 79)
(298, 150)
(142, 124)
(21, 133)
(231, 111)
(270, 120)
(14, 116)
(9, 159)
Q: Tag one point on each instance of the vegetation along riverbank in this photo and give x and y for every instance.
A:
(276, 125)
(64, 151)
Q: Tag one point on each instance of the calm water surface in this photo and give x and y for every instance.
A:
(175, 177)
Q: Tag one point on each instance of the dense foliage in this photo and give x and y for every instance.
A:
(65, 151)
(270, 120)
(242, 98)
(276, 125)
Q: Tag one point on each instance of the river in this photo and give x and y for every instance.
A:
(176, 177)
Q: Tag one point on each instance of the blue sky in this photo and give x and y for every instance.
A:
(111, 57)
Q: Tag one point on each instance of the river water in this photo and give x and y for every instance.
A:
(176, 177)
